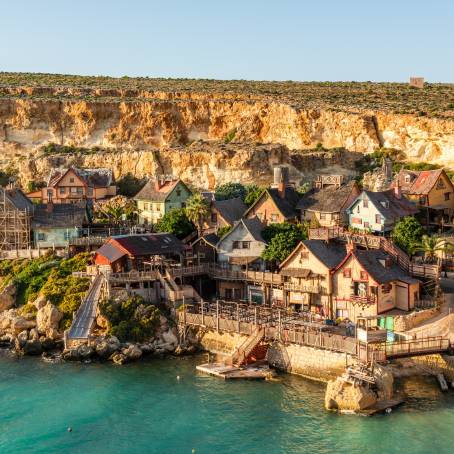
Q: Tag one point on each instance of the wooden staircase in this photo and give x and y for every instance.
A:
(252, 349)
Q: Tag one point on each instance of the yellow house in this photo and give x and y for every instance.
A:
(427, 188)
(369, 283)
(307, 273)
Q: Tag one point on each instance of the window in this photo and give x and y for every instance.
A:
(304, 255)
(228, 293)
(447, 195)
(41, 236)
(158, 207)
(358, 209)
(365, 203)
(378, 219)
(407, 178)
(214, 218)
(347, 272)
(73, 190)
(80, 190)
(440, 184)
(236, 245)
(145, 206)
(385, 204)
(246, 244)
(90, 192)
(274, 217)
(67, 236)
(422, 200)
(71, 180)
(366, 225)
(386, 288)
(178, 192)
(363, 276)
(62, 190)
(322, 216)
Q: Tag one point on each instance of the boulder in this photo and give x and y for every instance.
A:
(384, 381)
(105, 348)
(169, 337)
(53, 334)
(119, 358)
(48, 344)
(132, 352)
(341, 395)
(48, 317)
(7, 297)
(40, 302)
(33, 347)
(34, 335)
(85, 351)
(147, 348)
(71, 354)
(6, 319)
(19, 324)
(22, 337)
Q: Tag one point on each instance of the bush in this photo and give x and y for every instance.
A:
(175, 221)
(282, 239)
(229, 191)
(407, 233)
(132, 319)
(224, 230)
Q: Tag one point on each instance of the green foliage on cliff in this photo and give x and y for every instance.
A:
(229, 191)
(175, 221)
(129, 185)
(50, 276)
(132, 319)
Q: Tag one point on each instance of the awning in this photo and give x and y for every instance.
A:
(242, 260)
(296, 272)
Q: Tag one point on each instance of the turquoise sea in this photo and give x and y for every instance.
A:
(144, 408)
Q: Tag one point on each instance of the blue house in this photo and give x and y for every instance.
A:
(53, 226)
(379, 211)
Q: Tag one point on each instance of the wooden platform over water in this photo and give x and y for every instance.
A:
(250, 372)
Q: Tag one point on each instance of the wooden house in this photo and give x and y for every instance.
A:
(307, 275)
(379, 211)
(139, 252)
(203, 250)
(224, 213)
(159, 196)
(278, 203)
(429, 189)
(240, 249)
(369, 283)
(327, 205)
(54, 226)
(74, 185)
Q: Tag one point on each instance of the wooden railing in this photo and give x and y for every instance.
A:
(414, 347)
(132, 276)
(291, 286)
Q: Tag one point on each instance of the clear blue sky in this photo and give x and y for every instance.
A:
(381, 40)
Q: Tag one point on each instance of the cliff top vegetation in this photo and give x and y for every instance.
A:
(436, 100)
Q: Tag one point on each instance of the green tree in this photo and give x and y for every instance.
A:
(175, 221)
(253, 192)
(407, 233)
(129, 185)
(430, 245)
(229, 191)
(224, 230)
(282, 239)
(196, 210)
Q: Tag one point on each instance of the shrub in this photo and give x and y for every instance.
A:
(175, 221)
(230, 191)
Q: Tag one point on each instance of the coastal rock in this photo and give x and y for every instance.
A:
(71, 354)
(48, 317)
(169, 337)
(341, 395)
(384, 380)
(34, 334)
(48, 344)
(132, 352)
(102, 322)
(53, 334)
(32, 347)
(7, 297)
(106, 347)
(40, 302)
(22, 337)
(85, 351)
(119, 358)
(19, 324)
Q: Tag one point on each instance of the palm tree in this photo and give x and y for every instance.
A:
(430, 245)
(196, 210)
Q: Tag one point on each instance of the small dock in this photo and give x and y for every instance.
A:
(250, 372)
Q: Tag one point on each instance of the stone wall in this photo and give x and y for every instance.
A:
(409, 321)
(309, 362)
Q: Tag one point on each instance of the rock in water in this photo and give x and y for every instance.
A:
(341, 395)
(48, 317)
(33, 347)
(133, 352)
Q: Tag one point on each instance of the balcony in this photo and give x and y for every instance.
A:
(304, 288)
(370, 299)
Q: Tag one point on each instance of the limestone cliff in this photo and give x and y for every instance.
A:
(148, 131)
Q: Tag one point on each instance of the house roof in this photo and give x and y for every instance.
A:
(17, 198)
(65, 215)
(253, 226)
(329, 199)
(420, 182)
(390, 206)
(231, 209)
(152, 193)
(372, 261)
(148, 244)
(286, 205)
(210, 238)
(111, 252)
(330, 254)
(93, 178)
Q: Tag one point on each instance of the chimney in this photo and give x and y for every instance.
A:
(158, 183)
(281, 179)
(397, 190)
(281, 188)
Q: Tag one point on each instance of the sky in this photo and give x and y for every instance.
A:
(382, 40)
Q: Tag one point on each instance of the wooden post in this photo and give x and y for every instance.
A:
(203, 315)
(238, 316)
(255, 315)
(279, 334)
(217, 315)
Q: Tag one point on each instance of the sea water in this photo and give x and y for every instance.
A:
(165, 406)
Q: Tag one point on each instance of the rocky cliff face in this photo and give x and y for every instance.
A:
(147, 131)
